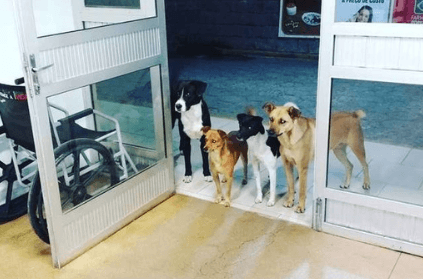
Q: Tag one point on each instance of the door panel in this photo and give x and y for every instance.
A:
(120, 71)
(375, 67)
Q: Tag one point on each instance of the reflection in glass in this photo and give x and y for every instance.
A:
(393, 141)
(100, 146)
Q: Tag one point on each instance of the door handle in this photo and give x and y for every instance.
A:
(36, 70)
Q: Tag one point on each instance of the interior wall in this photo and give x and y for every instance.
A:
(10, 63)
(198, 26)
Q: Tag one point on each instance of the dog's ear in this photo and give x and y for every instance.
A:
(200, 87)
(205, 129)
(251, 111)
(241, 117)
(269, 107)
(294, 112)
(260, 121)
(222, 134)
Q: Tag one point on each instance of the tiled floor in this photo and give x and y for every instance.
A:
(242, 196)
(396, 173)
(189, 238)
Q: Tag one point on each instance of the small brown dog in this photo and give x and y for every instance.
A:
(224, 151)
(296, 135)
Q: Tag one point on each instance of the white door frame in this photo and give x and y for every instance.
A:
(96, 54)
(332, 36)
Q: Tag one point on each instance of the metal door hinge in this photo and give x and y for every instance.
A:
(317, 214)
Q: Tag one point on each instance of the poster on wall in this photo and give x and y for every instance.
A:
(362, 11)
(299, 18)
(408, 11)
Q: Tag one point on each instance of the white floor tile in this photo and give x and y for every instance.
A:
(395, 174)
(396, 193)
(414, 159)
(385, 153)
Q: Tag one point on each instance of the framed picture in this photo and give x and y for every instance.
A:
(362, 10)
(299, 19)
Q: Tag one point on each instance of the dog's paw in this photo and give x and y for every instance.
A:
(187, 179)
(218, 199)
(343, 186)
(271, 202)
(244, 182)
(208, 178)
(300, 209)
(366, 186)
(259, 198)
(227, 203)
(288, 203)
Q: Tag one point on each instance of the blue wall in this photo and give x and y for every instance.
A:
(231, 26)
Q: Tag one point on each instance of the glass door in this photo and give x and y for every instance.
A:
(368, 171)
(98, 95)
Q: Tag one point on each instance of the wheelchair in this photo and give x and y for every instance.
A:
(86, 164)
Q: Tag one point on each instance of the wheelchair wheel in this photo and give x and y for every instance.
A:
(70, 160)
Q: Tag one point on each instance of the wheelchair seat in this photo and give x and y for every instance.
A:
(14, 114)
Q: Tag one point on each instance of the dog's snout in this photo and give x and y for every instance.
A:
(178, 107)
(206, 148)
(271, 133)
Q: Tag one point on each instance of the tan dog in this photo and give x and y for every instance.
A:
(296, 135)
(224, 151)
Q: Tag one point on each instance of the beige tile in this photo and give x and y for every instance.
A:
(409, 267)
(184, 237)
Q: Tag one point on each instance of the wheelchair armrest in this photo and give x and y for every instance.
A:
(76, 116)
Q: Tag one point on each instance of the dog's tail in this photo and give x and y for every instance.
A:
(360, 114)
(251, 111)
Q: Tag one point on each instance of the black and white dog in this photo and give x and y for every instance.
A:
(262, 149)
(193, 114)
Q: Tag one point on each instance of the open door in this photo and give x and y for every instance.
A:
(375, 66)
(104, 65)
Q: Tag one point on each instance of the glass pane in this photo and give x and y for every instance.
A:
(55, 17)
(113, 3)
(97, 149)
(382, 129)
